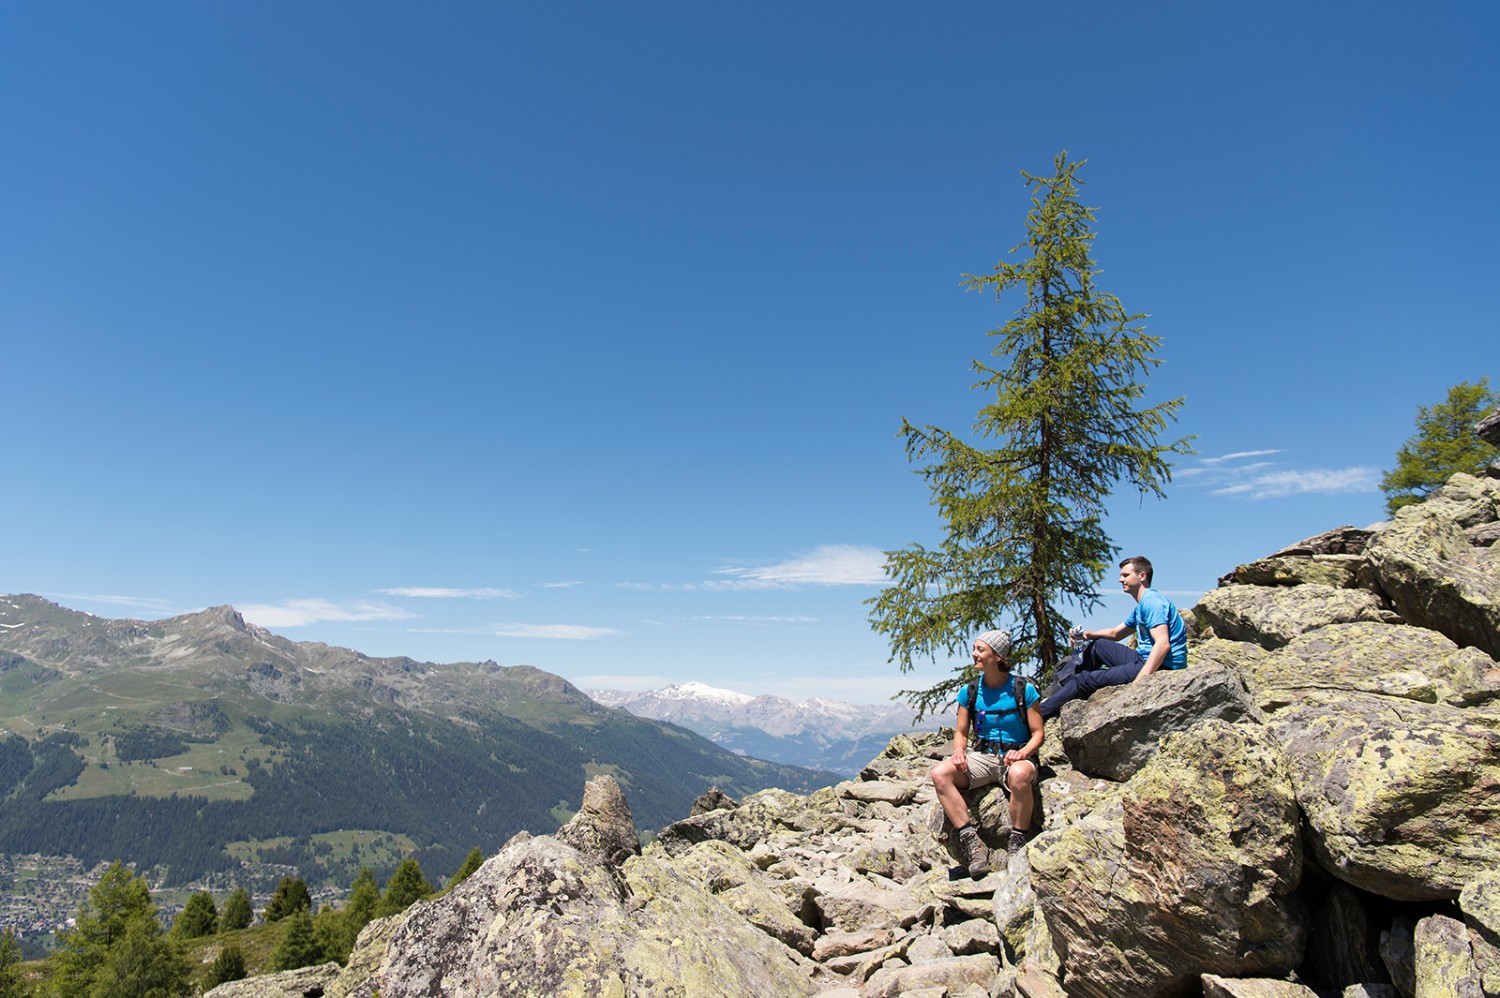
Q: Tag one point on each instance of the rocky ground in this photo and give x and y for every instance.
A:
(1311, 809)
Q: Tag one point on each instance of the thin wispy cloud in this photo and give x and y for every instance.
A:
(1238, 455)
(827, 565)
(1235, 476)
(301, 612)
(429, 592)
(140, 602)
(1322, 481)
(560, 585)
(557, 632)
(745, 619)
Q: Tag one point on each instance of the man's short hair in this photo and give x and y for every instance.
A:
(1141, 564)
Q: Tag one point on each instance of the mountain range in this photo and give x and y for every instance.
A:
(817, 733)
(198, 744)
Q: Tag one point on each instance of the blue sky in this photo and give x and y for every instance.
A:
(578, 335)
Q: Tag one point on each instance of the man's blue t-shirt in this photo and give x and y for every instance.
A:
(1150, 611)
(996, 717)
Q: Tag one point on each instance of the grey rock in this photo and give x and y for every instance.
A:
(1432, 575)
(1444, 962)
(602, 828)
(1260, 987)
(1340, 540)
(1399, 954)
(1190, 870)
(1398, 795)
(1480, 903)
(1338, 570)
(1488, 429)
(1337, 951)
(951, 974)
(1271, 616)
(300, 983)
(1115, 732)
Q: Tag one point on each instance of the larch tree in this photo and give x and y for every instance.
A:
(1444, 444)
(1023, 539)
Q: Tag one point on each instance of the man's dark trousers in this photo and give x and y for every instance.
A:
(1105, 663)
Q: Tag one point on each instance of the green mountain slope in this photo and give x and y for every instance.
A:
(196, 742)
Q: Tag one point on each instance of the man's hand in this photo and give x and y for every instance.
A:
(1015, 755)
(960, 760)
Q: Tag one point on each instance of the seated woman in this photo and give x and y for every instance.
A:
(1007, 737)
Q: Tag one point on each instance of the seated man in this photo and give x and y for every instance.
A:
(1160, 642)
(1007, 735)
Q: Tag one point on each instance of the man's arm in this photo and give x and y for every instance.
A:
(1112, 633)
(1160, 646)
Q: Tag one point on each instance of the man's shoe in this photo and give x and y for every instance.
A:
(975, 854)
(1017, 843)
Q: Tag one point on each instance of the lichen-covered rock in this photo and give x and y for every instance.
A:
(1445, 964)
(368, 955)
(1253, 987)
(1401, 661)
(1432, 575)
(1480, 903)
(1190, 870)
(1400, 797)
(1271, 616)
(542, 918)
(602, 828)
(952, 974)
(1398, 953)
(286, 984)
(1339, 540)
(729, 874)
(1341, 571)
(1114, 733)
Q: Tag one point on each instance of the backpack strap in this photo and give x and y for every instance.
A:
(973, 701)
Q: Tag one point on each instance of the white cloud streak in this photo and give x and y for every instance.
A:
(140, 602)
(1254, 480)
(559, 632)
(741, 619)
(425, 592)
(1321, 481)
(827, 565)
(301, 612)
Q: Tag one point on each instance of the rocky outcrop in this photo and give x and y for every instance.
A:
(1309, 809)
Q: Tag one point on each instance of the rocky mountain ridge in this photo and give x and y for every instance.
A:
(196, 744)
(1310, 809)
(817, 733)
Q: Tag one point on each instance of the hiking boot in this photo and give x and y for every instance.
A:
(976, 856)
(1016, 843)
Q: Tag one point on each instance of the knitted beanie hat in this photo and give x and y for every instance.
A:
(998, 640)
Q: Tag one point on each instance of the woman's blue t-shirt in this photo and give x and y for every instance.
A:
(996, 717)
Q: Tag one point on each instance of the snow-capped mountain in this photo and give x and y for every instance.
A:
(817, 733)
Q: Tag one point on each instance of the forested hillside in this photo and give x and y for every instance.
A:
(195, 743)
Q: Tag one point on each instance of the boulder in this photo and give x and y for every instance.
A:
(952, 974)
(602, 829)
(733, 878)
(1399, 797)
(1432, 575)
(1339, 540)
(1191, 869)
(544, 918)
(1398, 953)
(1400, 661)
(1341, 571)
(1444, 962)
(1114, 733)
(1480, 903)
(287, 984)
(1271, 616)
(1257, 987)
(1488, 429)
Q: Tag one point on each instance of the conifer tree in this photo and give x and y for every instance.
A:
(12, 983)
(1023, 537)
(472, 862)
(299, 943)
(1443, 445)
(237, 912)
(290, 896)
(229, 965)
(198, 917)
(407, 885)
(117, 947)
